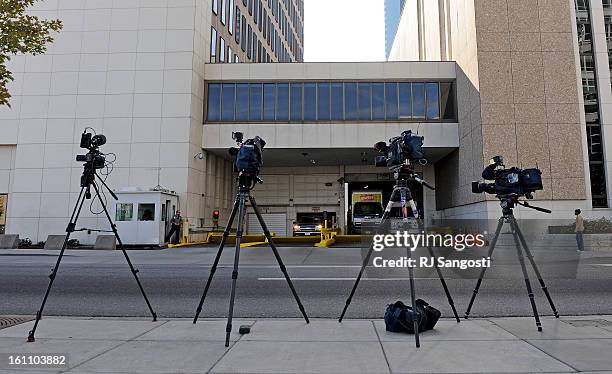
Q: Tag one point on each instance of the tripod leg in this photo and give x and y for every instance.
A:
(536, 270)
(521, 259)
(500, 223)
(69, 230)
(217, 258)
(127, 258)
(278, 257)
(413, 301)
(241, 217)
(366, 260)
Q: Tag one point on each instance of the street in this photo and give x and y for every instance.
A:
(99, 283)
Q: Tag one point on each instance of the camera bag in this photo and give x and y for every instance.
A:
(415, 146)
(400, 317)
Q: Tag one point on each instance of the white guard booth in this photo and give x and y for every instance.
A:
(143, 217)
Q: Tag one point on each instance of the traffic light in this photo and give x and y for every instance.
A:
(215, 214)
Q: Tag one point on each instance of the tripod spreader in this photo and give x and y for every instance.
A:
(423, 182)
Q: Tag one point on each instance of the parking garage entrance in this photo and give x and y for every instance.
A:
(354, 208)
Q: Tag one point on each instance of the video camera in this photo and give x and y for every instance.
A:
(248, 157)
(94, 158)
(513, 181)
(407, 146)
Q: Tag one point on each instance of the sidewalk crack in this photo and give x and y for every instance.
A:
(227, 351)
(381, 346)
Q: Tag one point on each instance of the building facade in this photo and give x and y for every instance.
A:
(538, 84)
(523, 79)
(133, 70)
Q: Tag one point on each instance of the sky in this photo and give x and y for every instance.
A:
(344, 30)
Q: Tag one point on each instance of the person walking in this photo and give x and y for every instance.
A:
(176, 223)
(579, 230)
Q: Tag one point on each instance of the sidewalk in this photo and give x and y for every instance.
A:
(123, 345)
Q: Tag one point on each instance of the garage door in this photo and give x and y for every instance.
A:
(276, 222)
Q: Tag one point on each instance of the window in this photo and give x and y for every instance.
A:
(269, 98)
(323, 100)
(391, 101)
(242, 102)
(223, 11)
(228, 95)
(236, 59)
(221, 50)
(215, 6)
(124, 212)
(258, 51)
(237, 35)
(447, 100)
(213, 44)
(310, 101)
(249, 42)
(337, 102)
(146, 212)
(255, 102)
(255, 55)
(255, 10)
(405, 100)
(244, 36)
(229, 54)
(350, 101)
(433, 101)
(265, 22)
(251, 7)
(282, 102)
(378, 101)
(259, 14)
(296, 101)
(214, 102)
(230, 23)
(364, 100)
(418, 100)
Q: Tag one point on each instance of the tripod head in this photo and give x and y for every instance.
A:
(405, 172)
(510, 201)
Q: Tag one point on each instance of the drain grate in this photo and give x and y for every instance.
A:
(588, 322)
(8, 321)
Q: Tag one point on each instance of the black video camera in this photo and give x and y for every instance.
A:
(513, 181)
(249, 154)
(94, 158)
(401, 148)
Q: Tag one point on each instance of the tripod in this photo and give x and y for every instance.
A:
(245, 185)
(401, 195)
(508, 203)
(88, 180)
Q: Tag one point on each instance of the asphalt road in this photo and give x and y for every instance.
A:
(99, 283)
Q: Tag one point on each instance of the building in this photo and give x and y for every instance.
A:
(537, 76)
(393, 13)
(477, 78)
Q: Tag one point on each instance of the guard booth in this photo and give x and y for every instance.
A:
(143, 217)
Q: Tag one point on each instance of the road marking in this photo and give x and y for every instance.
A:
(600, 264)
(339, 279)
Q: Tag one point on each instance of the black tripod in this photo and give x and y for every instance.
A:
(401, 196)
(88, 180)
(508, 203)
(245, 185)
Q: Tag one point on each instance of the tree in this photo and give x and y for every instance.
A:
(21, 33)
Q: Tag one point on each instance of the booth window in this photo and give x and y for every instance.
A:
(146, 212)
(125, 212)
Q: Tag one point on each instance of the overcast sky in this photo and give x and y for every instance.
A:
(344, 30)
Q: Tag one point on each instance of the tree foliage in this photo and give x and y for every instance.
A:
(21, 32)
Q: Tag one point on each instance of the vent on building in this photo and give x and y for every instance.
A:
(8, 321)
(588, 322)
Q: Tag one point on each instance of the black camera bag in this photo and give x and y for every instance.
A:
(415, 146)
(400, 317)
(247, 158)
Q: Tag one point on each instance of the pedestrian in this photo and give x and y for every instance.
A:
(579, 230)
(175, 222)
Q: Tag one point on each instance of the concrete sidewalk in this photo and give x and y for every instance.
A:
(122, 345)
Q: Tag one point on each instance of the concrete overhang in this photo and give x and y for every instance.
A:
(328, 144)
(401, 70)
